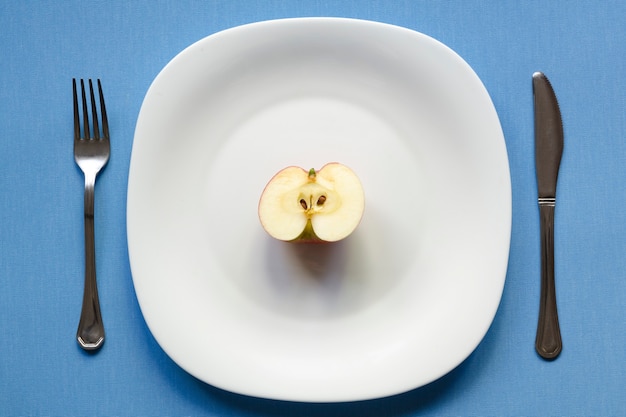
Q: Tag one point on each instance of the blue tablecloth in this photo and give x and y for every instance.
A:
(579, 45)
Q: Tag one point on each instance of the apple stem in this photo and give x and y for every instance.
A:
(312, 174)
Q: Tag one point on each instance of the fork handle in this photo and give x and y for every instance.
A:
(548, 342)
(90, 333)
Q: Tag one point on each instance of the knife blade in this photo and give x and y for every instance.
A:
(548, 151)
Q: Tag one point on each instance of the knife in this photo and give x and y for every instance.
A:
(548, 150)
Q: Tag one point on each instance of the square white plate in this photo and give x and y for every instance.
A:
(401, 302)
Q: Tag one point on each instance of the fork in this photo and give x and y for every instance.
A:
(91, 153)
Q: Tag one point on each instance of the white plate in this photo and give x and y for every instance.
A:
(398, 304)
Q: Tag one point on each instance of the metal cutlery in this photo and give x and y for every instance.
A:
(91, 153)
(548, 151)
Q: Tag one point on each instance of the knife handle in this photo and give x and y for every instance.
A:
(548, 342)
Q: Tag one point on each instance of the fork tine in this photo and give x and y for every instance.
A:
(94, 112)
(85, 115)
(105, 121)
(76, 116)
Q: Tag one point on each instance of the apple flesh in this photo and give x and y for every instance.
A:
(312, 206)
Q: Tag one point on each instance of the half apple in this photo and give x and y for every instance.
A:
(312, 206)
